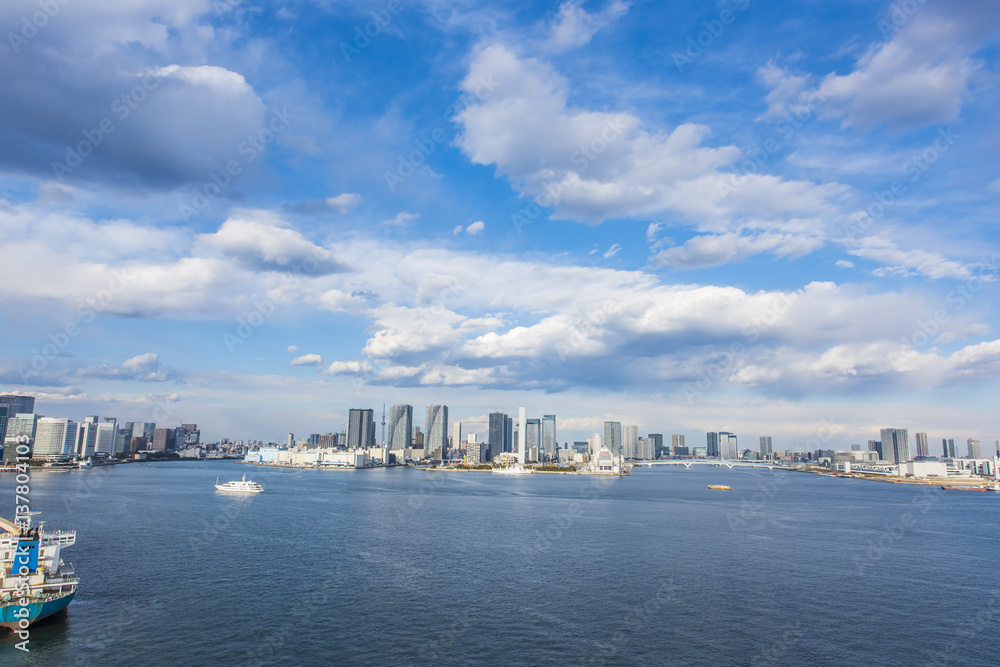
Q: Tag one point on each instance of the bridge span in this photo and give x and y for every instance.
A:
(718, 463)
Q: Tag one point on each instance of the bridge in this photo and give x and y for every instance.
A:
(718, 463)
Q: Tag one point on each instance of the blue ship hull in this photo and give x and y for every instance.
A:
(36, 611)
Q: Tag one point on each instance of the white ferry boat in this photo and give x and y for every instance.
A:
(242, 486)
(34, 580)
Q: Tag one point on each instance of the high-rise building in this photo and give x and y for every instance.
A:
(400, 427)
(12, 405)
(895, 445)
(856, 448)
(550, 444)
(436, 428)
(676, 440)
(19, 427)
(948, 445)
(360, 428)
(192, 436)
(594, 444)
(765, 446)
(922, 449)
(86, 438)
(456, 435)
(107, 437)
(712, 445)
(874, 446)
(522, 429)
(533, 438)
(657, 439)
(164, 439)
(975, 449)
(497, 441)
(613, 437)
(630, 441)
(55, 438)
(729, 448)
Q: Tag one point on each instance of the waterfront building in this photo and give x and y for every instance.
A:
(676, 440)
(107, 437)
(475, 453)
(712, 445)
(86, 438)
(581, 447)
(19, 426)
(948, 445)
(684, 450)
(456, 438)
(895, 445)
(594, 444)
(657, 440)
(765, 446)
(630, 441)
(164, 440)
(728, 446)
(496, 439)
(613, 437)
(400, 427)
(975, 449)
(550, 445)
(874, 446)
(360, 428)
(192, 436)
(697, 452)
(856, 448)
(12, 405)
(436, 430)
(55, 438)
(533, 438)
(922, 450)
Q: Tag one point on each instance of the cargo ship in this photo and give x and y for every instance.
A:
(34, 581)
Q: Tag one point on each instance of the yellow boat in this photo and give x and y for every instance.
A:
(719, 487)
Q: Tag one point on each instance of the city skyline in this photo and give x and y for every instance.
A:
(692, 226)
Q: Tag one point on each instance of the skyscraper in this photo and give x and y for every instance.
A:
(895, 445)
(498, 440)
(712, 442)
(676, 440)
(657, 439)
(456, 437)
(436, 432)
(729, 448)
(522, 428)
(400, 427)
(55, 438)
(613, 437)
(360, 428)
(630, 441)
(533, 438)
(12, 405)
(549, 442)
(922, 449)
(975, 449)
(948, 444)
(765, 446)
(86, 437)
(18, 426)
(107, 437)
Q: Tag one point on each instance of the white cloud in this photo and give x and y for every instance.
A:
(845, 264)
(475, 227)
(143, 367)
(612, 251)
(716, 249)
(401, 219)
(457, 230)
(292, 349)
(908, 262)
(307, 360)
(348, 368)
(262, 241)
(595, 165)
(574, 26)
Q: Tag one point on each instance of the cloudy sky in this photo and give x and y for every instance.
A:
(773, 219)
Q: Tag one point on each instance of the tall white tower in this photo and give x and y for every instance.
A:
(522, 427)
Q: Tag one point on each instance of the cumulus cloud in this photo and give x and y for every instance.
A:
(143, 367)
(574, 26)
(292, 349)
(348, 368)
(845, 264)
(401, 218)
(595, 165)
(261, 241)
(473, 228)
(908, 262)
(307, 360)
(716, 249)
(919, 75)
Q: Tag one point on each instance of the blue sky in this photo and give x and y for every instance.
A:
(772, 219)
